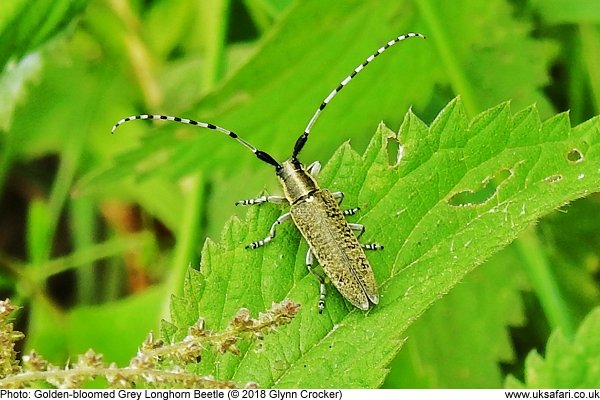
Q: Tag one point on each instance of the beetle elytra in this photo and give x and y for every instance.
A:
(315, 211)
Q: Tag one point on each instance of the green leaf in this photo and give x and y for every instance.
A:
(184, 309)
(46, 331)
(117, 328)
(573, 11)
(114, 329)
(23, 28)
(432, 238)
(568, 363)
(467, 329)
(13, 82)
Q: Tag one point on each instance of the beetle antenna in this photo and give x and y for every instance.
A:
(263, 156)
(304, 137)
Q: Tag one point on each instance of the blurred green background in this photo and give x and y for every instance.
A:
(96, 231)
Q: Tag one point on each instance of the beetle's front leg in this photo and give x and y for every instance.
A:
(271, 235)
(314, 168)
(262, 199)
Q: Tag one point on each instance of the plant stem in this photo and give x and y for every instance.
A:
(544, 283)
(458, 79)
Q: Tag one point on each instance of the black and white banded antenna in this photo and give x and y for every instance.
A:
(304, 137)
(301, 141)
(263, 156)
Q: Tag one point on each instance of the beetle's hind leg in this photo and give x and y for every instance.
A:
(366, 246)
(371, 246)
(322, 289)
(357, 227)
(351, 211)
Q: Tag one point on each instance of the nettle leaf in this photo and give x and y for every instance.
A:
(184, 309)
(460, 191)
(461, 339)
(572, 363)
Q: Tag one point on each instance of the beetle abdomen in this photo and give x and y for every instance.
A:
(322, 223)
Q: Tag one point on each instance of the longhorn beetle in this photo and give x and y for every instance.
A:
(315, 211)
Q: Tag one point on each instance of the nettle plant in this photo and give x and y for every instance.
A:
(449, 196)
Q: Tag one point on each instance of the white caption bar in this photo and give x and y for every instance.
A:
(283, 394)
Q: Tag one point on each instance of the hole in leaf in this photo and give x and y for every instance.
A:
(488, 189)
(553, 178)
(575, 156)
(394, 151)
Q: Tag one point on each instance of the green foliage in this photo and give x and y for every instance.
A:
(24, 28)
(83, 267)
(469, 347)
(568, 363)
(442, 240)
(156, 364)
(569, 12)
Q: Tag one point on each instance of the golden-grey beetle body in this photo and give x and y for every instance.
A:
(318, 217)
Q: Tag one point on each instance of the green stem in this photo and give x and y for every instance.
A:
(94, 252)
(140, 58)
(83, 226)
(215, 18)
(6, 154)
(544, 283)
(69, 163)
(590, 40)
(577, 84)
(188, 236)
(458, 79)
(141, 375)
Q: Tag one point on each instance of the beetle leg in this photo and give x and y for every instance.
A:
(371, 246)
(339, 196)
(314, 169)
(351, 211)
(322, 290)
(366, 246)
(262, 199)
(271, 235)
(357, 227)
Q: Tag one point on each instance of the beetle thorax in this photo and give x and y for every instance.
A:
(296, 181)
